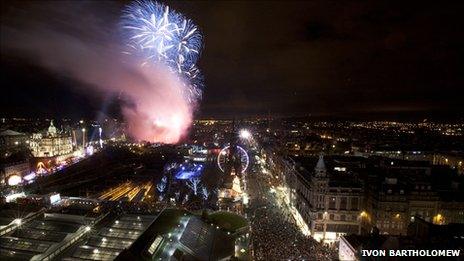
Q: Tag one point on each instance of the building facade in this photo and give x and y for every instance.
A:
(329, 206)
(51, 144)
(13, 173)
(11, 141)
(395, 198)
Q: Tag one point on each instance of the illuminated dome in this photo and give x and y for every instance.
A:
(51, 129)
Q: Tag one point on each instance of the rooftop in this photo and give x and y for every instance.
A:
(37, 237)
(10, 133)
(205, 242)
(107, 241)
(336, 178)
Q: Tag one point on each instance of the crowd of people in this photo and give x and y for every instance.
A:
(275, 236)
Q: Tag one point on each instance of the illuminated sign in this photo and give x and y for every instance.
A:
(55, 198)
(155, 245)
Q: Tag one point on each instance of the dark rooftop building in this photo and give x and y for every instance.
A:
(204, 242)
(421, 235)
(178, 235)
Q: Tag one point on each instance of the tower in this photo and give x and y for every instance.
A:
(320, 170)
(233, 166)
(319, 184)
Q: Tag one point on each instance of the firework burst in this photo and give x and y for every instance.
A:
(159, 34)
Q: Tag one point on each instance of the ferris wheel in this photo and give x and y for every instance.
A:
(223, 158)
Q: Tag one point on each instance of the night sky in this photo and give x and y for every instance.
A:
(329, 58)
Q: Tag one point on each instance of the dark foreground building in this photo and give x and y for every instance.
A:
(193, 239)
(422, 236)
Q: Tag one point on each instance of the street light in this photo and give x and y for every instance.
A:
(438, 219)
(245, 134)
(363, 214)
(83, 138)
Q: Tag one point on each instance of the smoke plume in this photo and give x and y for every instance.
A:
(81, 41)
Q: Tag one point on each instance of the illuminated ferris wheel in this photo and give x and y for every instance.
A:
(223, 158)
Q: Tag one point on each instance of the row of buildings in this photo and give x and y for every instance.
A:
(353, 195)
(21, 153)
(48, 143)
(329, 204)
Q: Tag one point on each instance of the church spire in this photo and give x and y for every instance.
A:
(320, 169)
